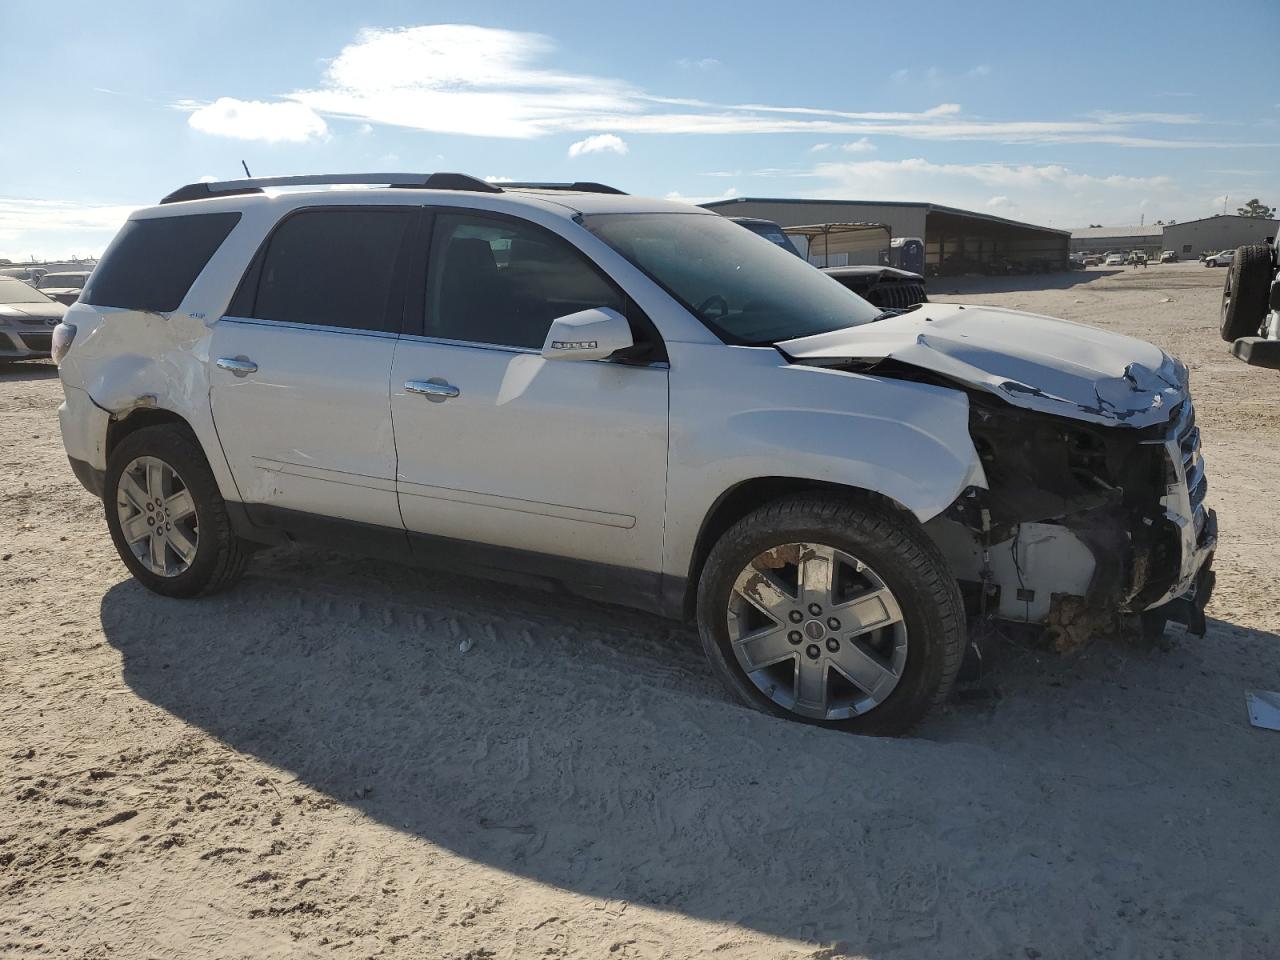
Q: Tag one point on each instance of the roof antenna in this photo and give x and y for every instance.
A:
(246, 170)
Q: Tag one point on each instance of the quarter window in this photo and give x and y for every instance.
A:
(331, 268)
(152, 263)
(502, 282)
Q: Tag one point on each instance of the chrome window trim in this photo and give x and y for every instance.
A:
(295, 325)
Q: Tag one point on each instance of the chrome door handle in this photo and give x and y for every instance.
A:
(240, 366)
(436, 390)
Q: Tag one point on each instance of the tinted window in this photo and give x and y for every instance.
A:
(503, 282)
(151, 264)
(332, 268)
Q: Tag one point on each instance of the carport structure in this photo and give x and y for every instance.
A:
(956, 241)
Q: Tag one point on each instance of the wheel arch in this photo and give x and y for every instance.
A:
(120, 427)
(748, 495)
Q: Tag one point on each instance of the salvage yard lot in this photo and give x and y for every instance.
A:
(344, 758)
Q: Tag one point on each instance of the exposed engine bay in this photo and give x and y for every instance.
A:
(1092, 518)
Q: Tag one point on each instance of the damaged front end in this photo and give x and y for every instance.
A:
(1083, 528)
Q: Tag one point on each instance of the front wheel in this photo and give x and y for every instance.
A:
(167, 519)
(833, 612)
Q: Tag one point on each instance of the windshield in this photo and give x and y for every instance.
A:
(73, 281)
(747, 290)
(15, 291)
(771, 232)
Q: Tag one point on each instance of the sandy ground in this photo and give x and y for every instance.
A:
(310, 765)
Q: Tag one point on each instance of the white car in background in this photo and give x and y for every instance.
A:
(27, 319)
(1223, 258)
(1115, 260)
(632, 400)
(64, 286)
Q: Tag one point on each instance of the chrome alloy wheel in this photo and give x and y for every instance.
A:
(157, 516)
(817, 631)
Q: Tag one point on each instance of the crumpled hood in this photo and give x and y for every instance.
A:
(1028, 360)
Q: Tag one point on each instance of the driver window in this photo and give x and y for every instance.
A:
(502, 282)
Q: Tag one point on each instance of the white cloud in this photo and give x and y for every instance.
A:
(703, 63)
(859, 146)
(1043, 193)
(600, 143)
(681, 198)
(479, 81)
(981, 70)
(254, 120)
(819, 147)
(57, 228)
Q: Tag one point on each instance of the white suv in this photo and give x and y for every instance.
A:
(633, 400)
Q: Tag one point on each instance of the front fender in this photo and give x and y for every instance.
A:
(906, 441)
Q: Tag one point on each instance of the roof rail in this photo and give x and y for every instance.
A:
(420, 181)
(580, 186)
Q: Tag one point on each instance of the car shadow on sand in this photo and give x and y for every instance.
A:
(17, 371)
(588, 747)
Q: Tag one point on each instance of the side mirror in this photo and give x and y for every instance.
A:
(587, 335)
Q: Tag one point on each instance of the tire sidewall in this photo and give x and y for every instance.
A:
(923, 673)
(174, 447)
(1245, 292)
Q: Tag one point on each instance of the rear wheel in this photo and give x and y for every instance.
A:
(832, 612)
(167, 519)
(1245, 292)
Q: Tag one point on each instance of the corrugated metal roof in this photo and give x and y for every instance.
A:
(927, 207)
(1101, 233)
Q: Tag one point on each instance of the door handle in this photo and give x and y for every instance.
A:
(240, 366)
(436, 390)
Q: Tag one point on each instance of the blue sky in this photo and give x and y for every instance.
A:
(1065, 114)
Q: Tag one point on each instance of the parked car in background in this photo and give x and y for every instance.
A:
(1092, 259)
(1168, 256)
(885, 287)
(770, 231)
(636, 402)
(1223, 258)
(1138, 258)
(63, 287)
(27, 319)
(29, 275)
(1115, 260)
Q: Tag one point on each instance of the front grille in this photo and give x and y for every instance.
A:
(1187, 436)
(37, 341)
(896, 296)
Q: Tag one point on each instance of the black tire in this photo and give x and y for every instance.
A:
(1245, 292)
(220, 556)
(902, 555)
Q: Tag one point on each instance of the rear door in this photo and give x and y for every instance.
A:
(300, 364)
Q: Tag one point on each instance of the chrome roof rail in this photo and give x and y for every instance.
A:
(420, 181)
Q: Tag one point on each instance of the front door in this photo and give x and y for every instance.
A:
(554, 459)
(299, 384)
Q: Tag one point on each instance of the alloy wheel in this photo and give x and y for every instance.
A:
(157, 516)
(817, 631)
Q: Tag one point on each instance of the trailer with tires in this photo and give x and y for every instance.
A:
(1250, 319)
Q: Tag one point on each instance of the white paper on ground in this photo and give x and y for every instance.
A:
(1264, 708)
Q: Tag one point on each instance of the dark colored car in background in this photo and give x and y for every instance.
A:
(886, 287)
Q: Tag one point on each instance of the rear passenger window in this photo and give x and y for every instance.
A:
(151, 264)
(332, 268)
(502, 282)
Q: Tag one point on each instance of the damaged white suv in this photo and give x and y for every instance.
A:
(636, 401)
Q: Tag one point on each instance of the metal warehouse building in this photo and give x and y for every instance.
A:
(1149, 240)
(1188, 240)
(1224, 232)
(956, 241)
